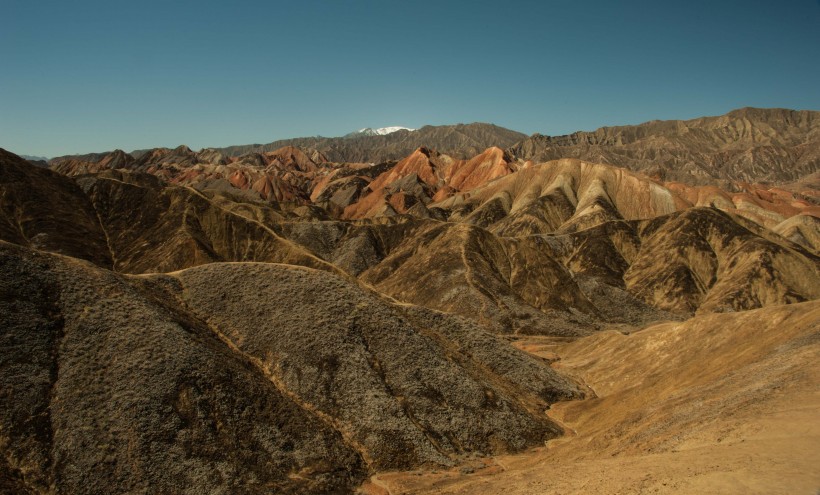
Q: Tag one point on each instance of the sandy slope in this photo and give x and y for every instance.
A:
(723, 403)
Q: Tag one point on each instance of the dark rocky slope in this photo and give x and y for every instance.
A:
(44, 210)
(275, 378)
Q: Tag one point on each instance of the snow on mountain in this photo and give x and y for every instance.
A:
(389, 130)
(381, 131)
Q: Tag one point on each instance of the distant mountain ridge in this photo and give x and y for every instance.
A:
(35, 158)
(486, 224)
(459, 140)
(747, 145)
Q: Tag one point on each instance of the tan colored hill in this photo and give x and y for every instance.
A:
(724, 403)
(696, 260)
(765, 205)
(90, 164)
(568, 195)
(509, 286)
(561, 196)
(801, 229)
(746, 145)
(247, 377)
(707, 260)
(512, 198)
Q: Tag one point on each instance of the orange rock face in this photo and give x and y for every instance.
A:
(477, 171)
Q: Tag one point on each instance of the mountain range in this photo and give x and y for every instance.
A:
(750, 144)
(745, 145)
(329, 315)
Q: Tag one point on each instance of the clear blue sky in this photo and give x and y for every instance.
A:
(81, 76)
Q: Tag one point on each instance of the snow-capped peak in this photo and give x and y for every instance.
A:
(381, 131)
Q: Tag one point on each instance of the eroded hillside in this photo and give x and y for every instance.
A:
(278, 319)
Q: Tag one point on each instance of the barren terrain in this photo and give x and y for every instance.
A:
(717, 404)
(476, 319)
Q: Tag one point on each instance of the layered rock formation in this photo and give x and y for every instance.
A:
(564, 247)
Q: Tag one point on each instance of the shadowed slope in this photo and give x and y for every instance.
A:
(45, 210)
(393, 379)
(704, 259)
(699, 259)
(135, 222)
(355, 246)
(108, 390)
(156, 228)
(506, 285)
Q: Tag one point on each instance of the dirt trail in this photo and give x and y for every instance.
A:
(723, 403)
(375, 486)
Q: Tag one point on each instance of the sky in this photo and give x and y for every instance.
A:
(84, 76)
